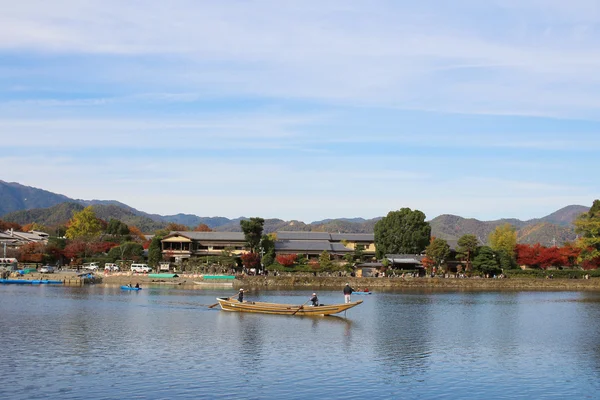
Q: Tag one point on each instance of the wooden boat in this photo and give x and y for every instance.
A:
(124, 287)
(228, 304)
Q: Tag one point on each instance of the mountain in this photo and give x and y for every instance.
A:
(16, 197)
(24, 204)
(60, 214)
(556, 228)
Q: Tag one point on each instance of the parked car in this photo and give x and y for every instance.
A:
(93, 266)
(140, 268)
(111, 267)
(46, 269)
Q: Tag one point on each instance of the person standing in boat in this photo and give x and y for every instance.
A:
(347, 292)
(314, 300)
(241, 296)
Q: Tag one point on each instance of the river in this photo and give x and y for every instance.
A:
(98, 342)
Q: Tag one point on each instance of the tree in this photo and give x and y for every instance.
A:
(325, 261)
(438, 251)
(155, 250)
(287, 260)
(172, 226)
(588, 226)
(251, 260)
(267, 244)
(402, 232)
(253, 230)
(117, 228)
(486, 262)
(504, 238)
(467, 246)
(84, 225)
(202, 228)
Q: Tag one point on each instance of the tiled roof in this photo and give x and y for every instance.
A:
(231, 236)
(336, 237)
(310, 245)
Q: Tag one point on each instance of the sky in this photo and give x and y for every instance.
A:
(305, 110)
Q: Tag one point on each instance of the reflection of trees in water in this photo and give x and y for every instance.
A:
(402, 341)
(588, 338)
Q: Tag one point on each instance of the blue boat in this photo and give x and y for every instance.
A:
(124, 287)
(16, 281)
(46, 282)
(361, 292)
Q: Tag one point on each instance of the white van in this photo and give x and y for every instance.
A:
(140, 268)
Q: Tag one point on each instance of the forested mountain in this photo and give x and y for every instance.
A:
(24, 204)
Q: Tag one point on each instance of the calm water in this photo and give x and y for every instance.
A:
(165, 343)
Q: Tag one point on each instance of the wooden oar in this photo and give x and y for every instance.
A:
(301, 307)
(216, 304)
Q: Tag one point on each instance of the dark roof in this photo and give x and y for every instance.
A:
(336, 237)
(310, 245)
(353, 237)
(285, 235)
(231, 236)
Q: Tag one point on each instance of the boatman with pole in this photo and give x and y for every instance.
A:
(347, 292)
(241, 296)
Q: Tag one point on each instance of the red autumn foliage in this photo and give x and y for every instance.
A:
(75, 249)
(427, 262)
(31, 252)
(101, 247)
(5, 226)
(251, 260)
(202, 228)
(538, 256)
(287, 260)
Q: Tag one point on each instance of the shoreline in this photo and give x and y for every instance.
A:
(186, 281)
(384, 284)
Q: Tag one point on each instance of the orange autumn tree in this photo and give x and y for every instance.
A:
(287, 260)
(202, 228)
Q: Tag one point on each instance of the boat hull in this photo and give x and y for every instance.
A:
(283, 309)
(130, 288)
(361, 293)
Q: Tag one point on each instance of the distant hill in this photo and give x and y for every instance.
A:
(24, 204)
(16, 197)
(60, 214)
(554, 228)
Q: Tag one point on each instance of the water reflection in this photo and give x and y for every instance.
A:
(407, 344)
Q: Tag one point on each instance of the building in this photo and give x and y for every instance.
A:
(178, 246)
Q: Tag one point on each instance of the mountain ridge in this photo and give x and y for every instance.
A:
(24, 204)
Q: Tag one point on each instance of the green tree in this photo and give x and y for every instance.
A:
(438, 251)
(155, 250)
(588, 226)
(325, 261)
(402, 232)
(504, 238)
(131, 251)
(117, 228)
(84, 225)
(253, 230)
(486, 261)
(467, 246)
(267, 245)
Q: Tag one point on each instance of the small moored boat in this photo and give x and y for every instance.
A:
(361, 293)
(228, 304)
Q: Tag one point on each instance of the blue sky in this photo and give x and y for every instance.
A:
(305, 110)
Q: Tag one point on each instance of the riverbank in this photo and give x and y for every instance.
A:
(187, 281)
